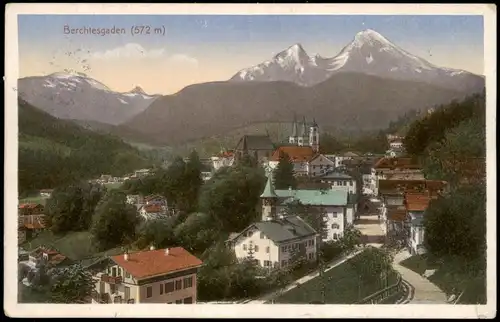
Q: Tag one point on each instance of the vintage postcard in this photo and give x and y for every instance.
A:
(250, 160)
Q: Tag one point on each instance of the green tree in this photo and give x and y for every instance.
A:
(114, 221)
(456, 224)
(71, 284)
(450, 158)
(351, 238)
(231, 198)
(159, 233)
(284, 174)
(329, 144)
(197, 232)
(372, 265)
(433, 127)
(70, 208)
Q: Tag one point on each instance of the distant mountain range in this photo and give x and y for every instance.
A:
(76, 96)
(369, 83)
(369, 53)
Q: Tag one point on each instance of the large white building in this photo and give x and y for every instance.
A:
(335, 203)
(273, 243)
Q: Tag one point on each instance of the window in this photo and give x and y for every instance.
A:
(335, 226)
(169, 287)
(310, 255)
(283, 263)
(161, 289)
(113, 271)
(188, 282)
(244, 246)
(188, 300)
(283, 249)
(119, 271)
(178, 285)
(334, 215)
(256, 248)
(178, 301)
(267, 263)
(112, 288)
(261, 235)
(268, 249)
(335, 236)
(127, 274)
(149, 292)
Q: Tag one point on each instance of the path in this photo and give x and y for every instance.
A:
(302, 280)
(425, 292)
(369, 226)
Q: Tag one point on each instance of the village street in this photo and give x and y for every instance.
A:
(369, 226)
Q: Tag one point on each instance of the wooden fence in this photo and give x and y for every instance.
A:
(379, 296)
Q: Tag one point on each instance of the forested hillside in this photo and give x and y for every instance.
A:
(54, 151)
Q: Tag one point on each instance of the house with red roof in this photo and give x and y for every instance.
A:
(298, 155)
(416, 204)
(167, 276)
(31, 220)
(397, 168)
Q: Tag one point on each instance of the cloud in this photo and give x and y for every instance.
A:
(131, 50)
(136, 51)
(183, 59)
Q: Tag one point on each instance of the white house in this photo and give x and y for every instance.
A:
(224, 159)
(338, 180)
(416, 205)
(320, 164)
(335, 203)
(141, 173)
(274, 242)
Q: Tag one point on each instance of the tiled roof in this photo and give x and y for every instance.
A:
(417, 201)
(295, 153)
(313, 186)
(152, 208)
(395, 186)
(156, 262)
(284, 229)
(396, 163)
(396, 213)
(328, 197)
(29, 205)
(35, 225)
(255, 142)
(335, 175)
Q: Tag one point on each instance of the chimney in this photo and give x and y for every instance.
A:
(125, 256)
(152, 247)
(167, 251)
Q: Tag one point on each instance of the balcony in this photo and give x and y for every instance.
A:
(111, 279)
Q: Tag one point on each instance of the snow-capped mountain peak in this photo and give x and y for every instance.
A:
(369, 53)
(74, 95)
(370, 37)
(138, 90)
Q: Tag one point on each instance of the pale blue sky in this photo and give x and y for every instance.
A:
(200, 48)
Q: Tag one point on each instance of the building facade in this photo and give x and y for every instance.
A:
(332, 203)
(274, 243)
(155, 276)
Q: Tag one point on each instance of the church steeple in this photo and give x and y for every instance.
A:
(295, 133)
(269, 199)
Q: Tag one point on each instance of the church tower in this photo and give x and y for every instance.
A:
(269, 199)
(303, 137)
(294, 137)
(314, 136)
